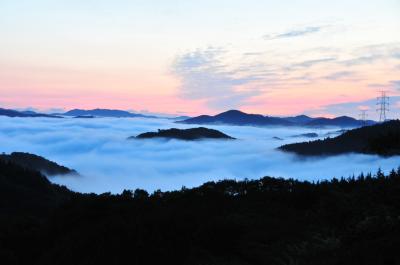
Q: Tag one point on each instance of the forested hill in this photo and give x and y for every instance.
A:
(185, 134)
(37, 163)
(382, 139)
(265, 221)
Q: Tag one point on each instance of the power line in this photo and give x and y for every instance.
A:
(383, 106)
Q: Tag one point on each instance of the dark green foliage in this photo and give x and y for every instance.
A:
(265, 221)
(382, 139)
(185, 134)
(37, 163)
(27, 199)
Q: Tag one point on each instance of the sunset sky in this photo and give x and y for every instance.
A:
(200, 57)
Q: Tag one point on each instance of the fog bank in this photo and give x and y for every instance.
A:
(107, 161)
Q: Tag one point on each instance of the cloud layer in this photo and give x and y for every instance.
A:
(98, 149)
(204, 76)
(268, 80)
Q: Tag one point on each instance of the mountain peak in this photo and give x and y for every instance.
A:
(232, 112)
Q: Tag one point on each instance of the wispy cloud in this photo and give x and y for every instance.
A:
(309, 63)
(204, 76)
(395, 84)
(339, 75)
(362, 60)
(293, 33)
(391, 85)
(372, 53)
(253, 53)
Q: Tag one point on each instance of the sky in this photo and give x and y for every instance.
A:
(322, 58)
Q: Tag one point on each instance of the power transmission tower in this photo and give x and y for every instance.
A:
(383, 106)
(363, 116)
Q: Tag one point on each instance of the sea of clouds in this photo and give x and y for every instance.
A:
(99, 150)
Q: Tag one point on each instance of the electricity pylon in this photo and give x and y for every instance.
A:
(363, 116)
(383, 106)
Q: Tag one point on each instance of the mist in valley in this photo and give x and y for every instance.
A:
(107, 162)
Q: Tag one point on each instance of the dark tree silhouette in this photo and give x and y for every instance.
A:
(264, 221)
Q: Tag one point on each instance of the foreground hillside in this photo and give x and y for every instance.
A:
(382, 139)
(266, 221)
(38, 163)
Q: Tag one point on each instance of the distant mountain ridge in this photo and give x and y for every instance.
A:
(381, 139)
(32, 114)
(236, 117)
(230, 117)
(105, 113)
(343, 121)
